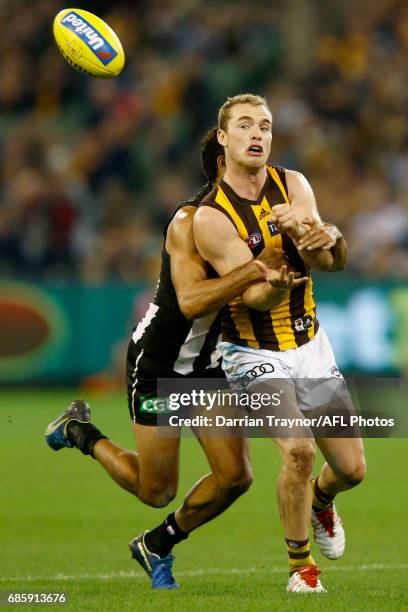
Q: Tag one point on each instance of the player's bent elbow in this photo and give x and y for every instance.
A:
(187, 311)
(338, 266)
(190, 309)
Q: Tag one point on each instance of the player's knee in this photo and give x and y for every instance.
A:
(157, 497)
(235, 483)
(300, 457)
(355, 474)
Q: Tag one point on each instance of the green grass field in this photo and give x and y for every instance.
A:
(64, 526)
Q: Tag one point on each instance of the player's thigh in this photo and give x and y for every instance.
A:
(158, 451)
(345, 456)
(282, 419)
(283, 422)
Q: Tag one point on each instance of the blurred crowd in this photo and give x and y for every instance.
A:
(91, 169)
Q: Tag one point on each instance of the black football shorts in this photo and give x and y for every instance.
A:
(143, 370)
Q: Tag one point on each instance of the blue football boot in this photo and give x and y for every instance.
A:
(56, 433)
(157, 568)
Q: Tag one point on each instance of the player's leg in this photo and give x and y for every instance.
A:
(211, 495)
(345, 465)
(293, 488)
(343, 470)
(230, 477)
(323, 391)
(267, 373)
(297, 450)
(294, 502)
(151, 473)
(247, 366)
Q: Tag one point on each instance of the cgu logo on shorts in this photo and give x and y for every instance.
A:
(93, 39)
(154, 405)
(254, 240)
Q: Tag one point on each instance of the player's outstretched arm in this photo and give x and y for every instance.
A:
(298, 217)
(326, 237)
(196, 294)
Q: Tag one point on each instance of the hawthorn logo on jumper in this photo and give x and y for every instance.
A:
(254, 240)
(303, 323)
(255, 372)
(273, 230)
(91, 37)
(262, 214)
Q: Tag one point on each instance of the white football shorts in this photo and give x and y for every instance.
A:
(311, 368)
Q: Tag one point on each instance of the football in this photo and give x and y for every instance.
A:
(88, 44)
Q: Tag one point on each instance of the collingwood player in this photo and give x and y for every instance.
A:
(176, 338)
(257, 206)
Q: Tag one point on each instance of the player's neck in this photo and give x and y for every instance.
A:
(246, 184)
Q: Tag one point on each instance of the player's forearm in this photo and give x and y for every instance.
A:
(211, 295)
(339, 253)
(318, 259)
(323, 247)
(262, 296)
(324, 259)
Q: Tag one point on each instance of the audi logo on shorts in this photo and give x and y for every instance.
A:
(256, 372)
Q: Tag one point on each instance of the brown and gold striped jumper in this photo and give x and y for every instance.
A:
(293, 322)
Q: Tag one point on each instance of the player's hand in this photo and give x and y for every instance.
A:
(319, 237)
(283, 216)
(283, 279)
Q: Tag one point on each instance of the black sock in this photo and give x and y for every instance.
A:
(161, 540)
(83, 435)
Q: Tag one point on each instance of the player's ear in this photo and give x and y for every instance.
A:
(221, 137)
